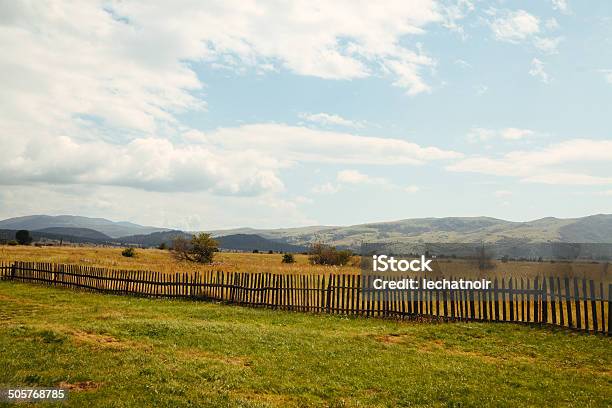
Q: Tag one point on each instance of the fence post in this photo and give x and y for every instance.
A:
(329, 295)
(593, 306)
(544, 301)
(13, 270)
(609, 308)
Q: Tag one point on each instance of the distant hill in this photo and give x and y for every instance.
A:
(9, 235)
(591, 229)
(110, 228)
(154, 239)
(75, 232)
(250, 242)
(237, 242)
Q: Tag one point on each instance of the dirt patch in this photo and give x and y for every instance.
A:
(80, 386)
(440, 347)
(101, 340)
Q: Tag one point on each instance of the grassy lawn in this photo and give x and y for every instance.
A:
(119, 351)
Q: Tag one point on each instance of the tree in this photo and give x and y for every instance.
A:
(201, 248)
(321, 254)
(288, 258)
(484, 258)
(162, 246)
(23, 237)
(129, 252)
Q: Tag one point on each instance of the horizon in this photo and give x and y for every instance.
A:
(307, 226)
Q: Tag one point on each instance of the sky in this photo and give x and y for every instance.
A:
(206, 115)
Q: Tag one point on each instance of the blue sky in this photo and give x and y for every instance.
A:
(220, 114)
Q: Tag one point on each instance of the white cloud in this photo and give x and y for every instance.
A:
(91, 92)
(333, 40)
(561, 5)
(327, 119)
(302, 144)
(145, 163)
(547, 44)
(515, 26)
(520, 26)
(537, 71)
(478, 134)
(236, 161)
(548, 165)
(349, 177)
(357, 177)
(516, 134)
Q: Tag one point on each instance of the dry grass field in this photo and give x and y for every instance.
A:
(163, 261)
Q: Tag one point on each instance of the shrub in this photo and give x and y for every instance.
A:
(201, 248)
(270, 251)
(12, 242)
(23, 237)
(162, 246)
(256, 251)
(321, 254)
(288, 258)
(129, 252)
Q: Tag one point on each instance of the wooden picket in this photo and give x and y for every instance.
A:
(579, 304)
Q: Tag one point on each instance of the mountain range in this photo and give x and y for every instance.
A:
(111, 228)
(590, 229)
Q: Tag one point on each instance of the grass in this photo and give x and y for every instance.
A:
(163, 261)
(120, 351)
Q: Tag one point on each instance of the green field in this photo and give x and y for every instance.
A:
(120, 351)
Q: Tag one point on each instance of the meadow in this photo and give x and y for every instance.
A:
(162, 261)
(121, 351)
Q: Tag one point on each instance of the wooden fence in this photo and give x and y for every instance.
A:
(574, 303)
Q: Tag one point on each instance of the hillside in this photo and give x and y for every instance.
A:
(75, 232)
(591, 229)
(110, 228)
(9, 235)
(250, 242)
(154, 239)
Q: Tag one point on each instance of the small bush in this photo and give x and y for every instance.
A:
(288, 258)
(270, 251)
(321, 254)
(256, 251)
(13, 242)
(129, 252)
(162, 246)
